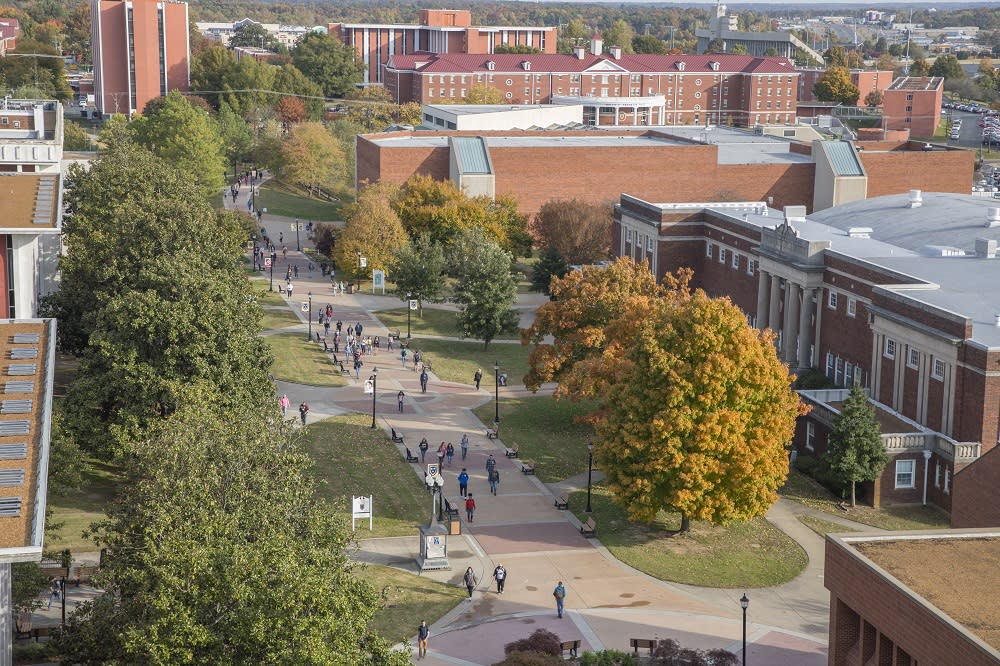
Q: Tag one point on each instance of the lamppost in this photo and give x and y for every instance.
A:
(358, 252)
(435, 483)
(310, 316)
(590, 473)
(374, 381)
(744, 602)
(496, 400)
(274, 255)
(408, 297)
(298, 246)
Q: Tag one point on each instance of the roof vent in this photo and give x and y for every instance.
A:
(526, 65)
(616, 52)
(996, 320)
(680, 65)
(986, 248)
(860, 232)
(916, 201)
(580, 52)
(993, 217)
(490, 65)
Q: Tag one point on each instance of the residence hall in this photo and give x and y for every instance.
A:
(614, 88)
(867, 81)
(666, 164)
(913, 103)
(439, 31)
(899, 293)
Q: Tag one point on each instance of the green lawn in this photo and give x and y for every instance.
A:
(353, 460)
(823, 527)
(75, 510)
(281, 200)
(433, 322)
(297, 360)
(410, 599)
(802, 488)
(742, 555)
(265, 297)
(278, 317)
(456, 361)
(544, 429)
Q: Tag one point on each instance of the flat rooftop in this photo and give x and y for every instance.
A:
(475, 109)
(30, 202)
(916, 83)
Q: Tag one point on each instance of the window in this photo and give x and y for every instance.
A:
(852, 307)
(947, 482)
(736, 261)
(649, 244)
(889, 351)
(810, 435)
(848, 377)
(17, 124)
(5, 121)
(628, 235)
(909, 109)
(857, 373)
(909, 98)
(708, 250)
(722, 255)
(839, 373)
(829, 364)
(905, 475)
(831, 299)
(913, 357)
(938, 371)
(750, 266)
(937, 475)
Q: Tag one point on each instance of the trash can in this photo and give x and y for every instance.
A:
(350, 288)
(454, 527)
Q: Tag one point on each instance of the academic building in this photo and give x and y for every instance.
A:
(141, 52)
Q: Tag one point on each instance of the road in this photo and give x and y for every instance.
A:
(972, 134)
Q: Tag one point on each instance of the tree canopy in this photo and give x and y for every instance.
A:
(854, 448)
(947, 66)
(311, 158)
(253, 34)
(486, 288)
(835, 85)
(373, 229)
(480, 93)
(418, 270)
(578, 230)
(324, 59)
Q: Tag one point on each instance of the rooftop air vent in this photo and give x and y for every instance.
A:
(942, 251)
(616, 52)
(680, 65)
(986, 248)
(993, 217)
(916, 201)
(490, 65)
(860, 232)
(714, 65)
(580, 52)
(996, 320)
(526, 65)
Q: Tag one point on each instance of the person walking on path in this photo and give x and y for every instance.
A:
(491, 464)
(470, 581)
(470, 507)
(423, 380)
(494, 480)
(478, 377)
(560, 594)
(500, 576)
(399, 402)
(450, 452)
(402, 356)
(423, 633)
(303, 410)
(463, 483)
(55, 591)
(442, 451)
(284, 402)
(423, 449)
(465, 445)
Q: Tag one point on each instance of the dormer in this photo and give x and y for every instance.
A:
(714, 65)
(490, 65)
(526, 65)
(680, 65)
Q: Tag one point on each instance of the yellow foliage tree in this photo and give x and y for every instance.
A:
(480, 93)
(373, 229)
(311, 157)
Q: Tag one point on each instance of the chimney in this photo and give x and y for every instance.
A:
(916, 201)
(993, 217)
(596, 44)
(986, 248)
(580, 52)
(616, 52)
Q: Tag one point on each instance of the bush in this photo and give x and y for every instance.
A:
(530, 659)
(812, 379)
(75, 137)
(668, 652)
(542, 642)
(325, 238)
(608, 658)
(35, 653)
(818, 469)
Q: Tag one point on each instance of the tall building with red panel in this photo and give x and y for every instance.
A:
(141, 52)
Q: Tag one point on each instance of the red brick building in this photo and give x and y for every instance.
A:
(141, 52)
(616, 88)
(867, 80)
(439, 31)
(913, 103)
(10, 30)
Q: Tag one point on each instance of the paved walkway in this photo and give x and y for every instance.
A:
(607, 601)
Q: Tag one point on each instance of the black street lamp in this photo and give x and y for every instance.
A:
(274, 255)
(496, 400)
(360, 273)
(374, 379)
(310, 316)
(408, 296)
(590, 473)
(435, 484)
(744, 602)
(298, 246)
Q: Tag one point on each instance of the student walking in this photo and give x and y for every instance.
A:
(303, 411)
(470, 507)
(284, 402)
(423, 633)
(442, 451)
(465, 445)
(491, 464)
(399, 403)
(463, 483)
(423, 449)
(478, 377)
(450, 452)
(494, 480)
(500, 576)
(423, 380)
(55, 591)
(560, 594)
(470, 581)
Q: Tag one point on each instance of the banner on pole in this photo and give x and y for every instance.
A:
(413, 304)
(361, 508)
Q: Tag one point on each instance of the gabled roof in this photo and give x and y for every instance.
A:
(558, 62)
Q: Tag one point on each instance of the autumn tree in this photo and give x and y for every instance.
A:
(738, 49)
(919, 67)
(486, 290)
(480, 93)
(619, 34)
(835, 85)
(311, 158)
(580, 231)
(700, 423)
(873, 98)
(373, 229)
(854, 448)
(648, 44)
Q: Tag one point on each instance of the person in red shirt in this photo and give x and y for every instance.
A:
(470, 507)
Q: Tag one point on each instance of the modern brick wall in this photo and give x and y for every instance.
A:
(974, 493)
(899, 171)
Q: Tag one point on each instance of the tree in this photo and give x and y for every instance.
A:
(486, 288)
(237, 139)
(873, 99)
(296, 85)
(185, 137)
(836, 56)
(311, 157)
(854, 450)
(418, 271)
(716, 46)
(619, 34)
(373, 229)
(213, 69)
(835, 86)
(480, 93)
(516, 49)
(219, 551)
(648, 44)
(738, 49)
(254, 35)
(44, 75)
(575, 30)
(919, 67)
(333, 66)
(578, 230)
(549, 264)
(75, 137)
(699, 423)
(948, 67)
(290, 110)
(771, 52)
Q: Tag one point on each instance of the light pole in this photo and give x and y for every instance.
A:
(271, 285)
(374, 380)
(298, 246)
(590, 473)
(408, 296)
(744, 602)
(435, 484)
(310, 315)
(496, 400)
(358, 252)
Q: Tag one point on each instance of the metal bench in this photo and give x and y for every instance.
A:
(528, 467)
(644, 643)
(449, 509)
(492, 433)
(410, 458)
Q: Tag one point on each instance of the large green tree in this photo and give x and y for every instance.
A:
(948, 67)
(486, 288)
(418, 270)
(237, 138)
(619, 34)
(312, 158)
(854, 448)
(219, 552)
(254, 35)
(333, 66)
(835, 85)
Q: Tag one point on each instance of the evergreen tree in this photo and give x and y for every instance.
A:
(549, 264)
(855, 451)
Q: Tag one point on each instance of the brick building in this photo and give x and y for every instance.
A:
(913, 598)
(913, 103)
(440, 31)
(897, 293)
(668, 164)
(867, 81)
(616, 88)
(141, 52)
(10, 30)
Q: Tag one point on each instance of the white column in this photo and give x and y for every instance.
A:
(790, 331)
(6, 617)
(805, 319)
(774, 311)
(763, 286)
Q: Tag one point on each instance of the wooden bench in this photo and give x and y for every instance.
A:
(512, 451)
(410, 458)
(644, 643)
(492, 433)
(572, 646)
(561, 502)
(528, 467)
(394, 335)
(449, 509)
(340, 364)
(82, 575)
(426, 361)
(589, 528)
(396, 437)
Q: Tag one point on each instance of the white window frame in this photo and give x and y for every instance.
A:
(831, 299)
(938, 368)
(912, 358)
(857, 373)
(937, 475)
(889, 348)
(736, 260)
(722, 255)
(628, 236)
(900, 473)
(649, 243)
(852, 307)
(708, 250)
(848, 374)
(810, 436)
(829, 365)
(947, 481)
(751, 267)
(838, 371)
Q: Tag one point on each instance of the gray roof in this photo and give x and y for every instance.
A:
(843, 158)
(470, 154)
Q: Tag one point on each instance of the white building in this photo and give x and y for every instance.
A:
(288, 35)
(486, 117)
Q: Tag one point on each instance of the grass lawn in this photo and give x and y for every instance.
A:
(456, 361)
(298, 360)
(265, 297)
(544, 429)
(743, 555)
(823, 527)
(433, 322)
(352, 460)
(410, 599)
(77, 509)
(280, 199)
(278, 317)
(802, 488)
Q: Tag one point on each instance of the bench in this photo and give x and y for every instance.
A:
(561, 502)
(449, 509)
(340, 364)
(589, 528)
(394, 335)
(410, 458)
(396, 437)
(528, 467)
(512, 451)
(644, 643)
(426, 361)
(82, 575)
(571, 646)
(492, 433)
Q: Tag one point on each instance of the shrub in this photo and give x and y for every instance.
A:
(812, 379)
(325, 238)
(530, 659)
(668, 652)
(542, 642)
(608, 658)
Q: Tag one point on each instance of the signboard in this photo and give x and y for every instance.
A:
(363, 261)
(369, 386)
(361, 507)
(435, 546)
(267, 262)
(413, 304)
(432, 470)
(378, 281)
(305, 306)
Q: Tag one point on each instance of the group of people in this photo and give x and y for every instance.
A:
(284, 403)
(445, 451)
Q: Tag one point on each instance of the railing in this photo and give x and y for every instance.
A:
(958, 451)
(908, 441)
